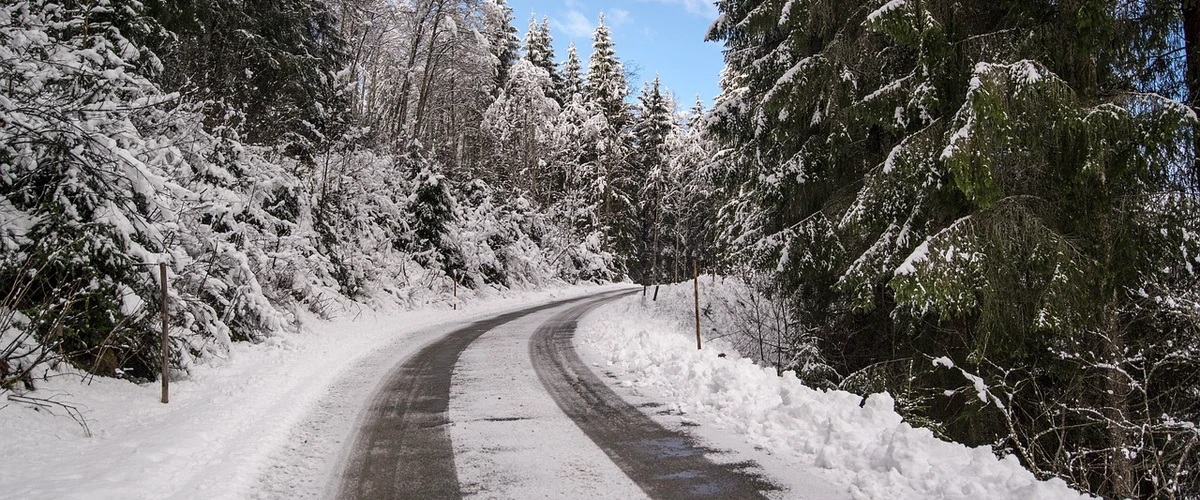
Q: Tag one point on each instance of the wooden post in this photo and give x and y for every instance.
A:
(675, 259)
(655, 293)
(696, 290)
(454, 278)
(166, 343)
(654, 259)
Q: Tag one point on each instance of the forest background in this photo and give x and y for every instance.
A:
(987, 209)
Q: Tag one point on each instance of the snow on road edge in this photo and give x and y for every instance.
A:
(878, 455)
(226, 423)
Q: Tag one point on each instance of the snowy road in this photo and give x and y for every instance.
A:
(664, 463)
(277, 420)
(503, 408)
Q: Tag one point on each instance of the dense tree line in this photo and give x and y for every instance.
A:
(988, 209)
(307, 154)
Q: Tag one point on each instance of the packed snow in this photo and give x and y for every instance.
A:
(271, 416)
(272, 420)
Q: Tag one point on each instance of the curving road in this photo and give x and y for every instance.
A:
(666, 464)
(519, 415)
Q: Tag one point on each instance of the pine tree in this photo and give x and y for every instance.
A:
(434, 212)
(647, 175)
(572, 74)
(990, 194)
(539, 50)
(501, 37)
(606, 89)
(606, 84)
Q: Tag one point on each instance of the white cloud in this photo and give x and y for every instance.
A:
(705, 8)
(617, 17)
(575, 24)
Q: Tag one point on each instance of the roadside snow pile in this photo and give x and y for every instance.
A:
(757, 326)
(880, 455)
(233, 430)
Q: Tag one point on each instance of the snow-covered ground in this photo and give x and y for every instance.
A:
(272, 421)
(271, 417)
(863, 449)
(510, 438)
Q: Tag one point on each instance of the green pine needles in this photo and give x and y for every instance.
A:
(1000, 183)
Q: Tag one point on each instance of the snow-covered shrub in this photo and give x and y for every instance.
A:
(79, 181)
(756, 322)
(104, 174)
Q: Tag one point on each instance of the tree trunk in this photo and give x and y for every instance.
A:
(406, 84)
(675, 262)
(430, 69)
(654, 257)
(1116, 407)
(1191, 41)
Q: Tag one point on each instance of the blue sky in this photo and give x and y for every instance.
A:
(652, 36)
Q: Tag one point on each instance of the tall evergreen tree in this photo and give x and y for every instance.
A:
(606, 83)
(572, 74)
(539, 50)
(990, 194)
(502, 38)
(647, 175)
(606, 89)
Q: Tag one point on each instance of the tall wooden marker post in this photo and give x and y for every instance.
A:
(696, 293)
(166, 342)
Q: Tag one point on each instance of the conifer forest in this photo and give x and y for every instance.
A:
(988, 209)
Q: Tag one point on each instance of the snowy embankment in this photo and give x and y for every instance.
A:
(650, 345)
(228, 424)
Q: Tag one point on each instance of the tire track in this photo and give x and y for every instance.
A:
(403, 449)
(664, 463)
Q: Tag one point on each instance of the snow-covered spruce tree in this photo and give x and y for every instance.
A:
(266, 68)
(607, 156)
(790, 163)
(501, 37)
(1065, 172)
(434, 211)
(572, 74)
(1004, 197)
(539, 50)
(519, 123)
(647, 177)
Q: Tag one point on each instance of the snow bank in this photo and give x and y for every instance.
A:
(230, 427)
(879, 455)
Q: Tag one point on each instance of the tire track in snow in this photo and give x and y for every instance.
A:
(403, 449)
(664, 463)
